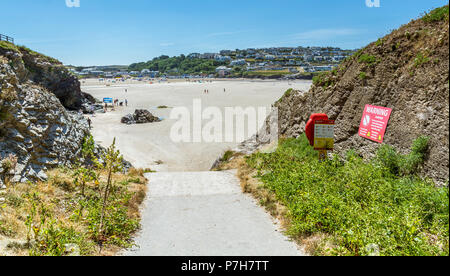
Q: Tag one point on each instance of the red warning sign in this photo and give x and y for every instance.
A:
(374, 123)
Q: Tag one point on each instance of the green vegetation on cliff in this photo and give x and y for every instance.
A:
(88, 210)
(358, 207)
(8, 46)
(438, 14)
(178, 65)
(17, 48)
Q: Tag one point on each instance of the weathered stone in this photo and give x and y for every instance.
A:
(140, 116)
(39, 129)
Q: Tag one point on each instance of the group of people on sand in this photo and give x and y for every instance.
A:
(206, 91)
(115, 103)
(118, 103)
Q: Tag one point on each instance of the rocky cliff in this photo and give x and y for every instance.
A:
(36, 125)
(408, 71)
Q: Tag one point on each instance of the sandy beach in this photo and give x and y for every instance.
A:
(190, 210)
(149, 145)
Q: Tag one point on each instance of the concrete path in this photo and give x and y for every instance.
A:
(206, 214)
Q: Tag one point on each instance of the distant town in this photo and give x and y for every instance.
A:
(280, 61)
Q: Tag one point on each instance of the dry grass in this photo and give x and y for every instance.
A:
(59, 195)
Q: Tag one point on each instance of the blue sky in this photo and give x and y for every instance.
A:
(102, 32)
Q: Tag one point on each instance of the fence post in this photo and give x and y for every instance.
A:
(6, 38)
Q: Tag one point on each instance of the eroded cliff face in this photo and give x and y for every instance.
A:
(35, 124)
(408, 71)
(48, 73)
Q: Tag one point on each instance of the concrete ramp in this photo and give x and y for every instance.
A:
(206, 214)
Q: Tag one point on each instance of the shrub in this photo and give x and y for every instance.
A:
(368, 59)
(227, 156)
(115, 226)
(379, 42)
(8, 166)
(323, 79)
(388, 157)
(362, 75)
(420, 60)
(438, 14)
(357, 205)
(57, 216)
(404, 165)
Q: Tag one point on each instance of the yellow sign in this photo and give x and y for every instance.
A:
(324, 135)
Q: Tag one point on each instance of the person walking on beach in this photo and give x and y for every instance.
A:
(89, 122)
(126, 102)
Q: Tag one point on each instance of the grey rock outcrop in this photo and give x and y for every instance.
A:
(34, 125)
(49, 73)
(140, 116)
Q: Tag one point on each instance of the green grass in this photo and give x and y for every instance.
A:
(323, 79)
(362, 76)
(288, 92)
(379, 42)
(436, 15)
(368, 59)
(36, 54)
(227, 156)
(358, 204)
(420, 60)
(8, 46)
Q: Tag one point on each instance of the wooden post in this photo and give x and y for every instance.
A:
(323, 155)
(6, 38)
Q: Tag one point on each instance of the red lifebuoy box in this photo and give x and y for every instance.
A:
(311, 123)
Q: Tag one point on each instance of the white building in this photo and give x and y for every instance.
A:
(222, 58)
(149, 73)
(225, 52)
(338, 58)
(208, 56)
(96, 73)
(238, 62)
(223, 70)
(308, 58)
